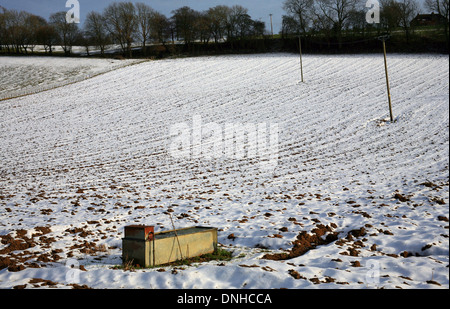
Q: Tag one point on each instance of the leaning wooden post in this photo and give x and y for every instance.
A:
(301, 60)
(387, 78)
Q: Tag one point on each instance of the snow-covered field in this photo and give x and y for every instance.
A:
(80, 162)
(26, 75)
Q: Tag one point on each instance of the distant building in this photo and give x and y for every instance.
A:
(428, 20)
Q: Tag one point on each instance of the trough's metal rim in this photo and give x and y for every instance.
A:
(205, 229)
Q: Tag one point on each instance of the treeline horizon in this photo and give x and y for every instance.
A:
(342, 26)
(322, 24)
(124, 24)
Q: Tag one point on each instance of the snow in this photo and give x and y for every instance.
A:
(341, 162)
(25, 75)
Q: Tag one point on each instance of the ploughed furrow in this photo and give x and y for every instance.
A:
(117, 126)
(338, 185)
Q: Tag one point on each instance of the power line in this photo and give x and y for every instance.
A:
(341, 43)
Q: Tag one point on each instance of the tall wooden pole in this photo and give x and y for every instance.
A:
(301, 60)
(387, 80)
(271, 25)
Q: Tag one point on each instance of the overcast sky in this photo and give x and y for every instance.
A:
(258, 9)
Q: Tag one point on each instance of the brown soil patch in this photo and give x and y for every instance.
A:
(401, 198)
(306, 242)
(17, 246)
(296, 275)
(358, 232)
(443, 218)
(20, 243)
(433, 282)
(80, 287)
(80, 231)
(36, 282)
(356, 264)
(231, 236)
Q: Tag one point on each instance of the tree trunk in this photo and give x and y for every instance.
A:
(130, 50)
(144, 48)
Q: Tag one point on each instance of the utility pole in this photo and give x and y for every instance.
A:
(271, 25)
(301, 56)
(383, 39)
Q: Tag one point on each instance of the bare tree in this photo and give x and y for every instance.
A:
(47, 36)
(160, 28)
(408, 10)
(32, 23)
(86, 41)
(301, 11)
(218, 21)
(19, 29)
(5, 39)
(96, 32)
(185, 23)
(3, 36)
(68, 32)
(145, 14)
(258, 28)
(441, 7)
(390, 15)
(335, 12)
(357, 21)
(290, 25)
(203, 27)
(121, 22)
(15, 29)
(244, 25)
(322, 24)
(238, 22)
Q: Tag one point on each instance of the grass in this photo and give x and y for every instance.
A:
(218, 255)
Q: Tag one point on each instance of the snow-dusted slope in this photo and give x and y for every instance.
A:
(25, 75)
(89, 158)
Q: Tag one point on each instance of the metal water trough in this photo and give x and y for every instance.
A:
(142, 246)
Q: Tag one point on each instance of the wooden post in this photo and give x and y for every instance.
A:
(387, 80)
(271, 24)
(301, 60)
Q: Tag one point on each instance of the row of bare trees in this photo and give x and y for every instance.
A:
(333, 17)
(125, 24)
(22, 31)
(442, 8)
